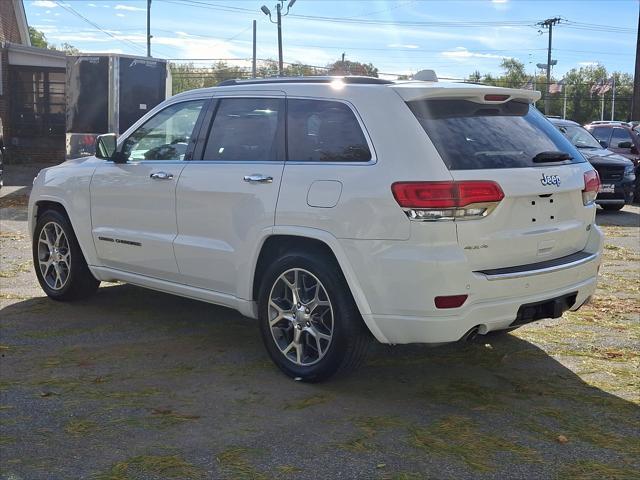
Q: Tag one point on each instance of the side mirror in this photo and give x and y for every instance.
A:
(624, 145)
(604, 144)
(106, 146)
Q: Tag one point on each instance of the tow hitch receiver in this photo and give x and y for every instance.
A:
(553, 308)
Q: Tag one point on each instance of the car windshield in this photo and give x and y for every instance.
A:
(471, 136)
(579, 136)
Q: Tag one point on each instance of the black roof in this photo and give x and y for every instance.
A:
(311, 79)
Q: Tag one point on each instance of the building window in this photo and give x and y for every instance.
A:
(38, 101)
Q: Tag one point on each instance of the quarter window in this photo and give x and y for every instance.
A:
(166, 135)
(247, 129)
(324, 131)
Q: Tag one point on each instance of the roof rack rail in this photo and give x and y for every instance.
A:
(310, 79)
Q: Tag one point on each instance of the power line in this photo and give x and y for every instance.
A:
(82, 17)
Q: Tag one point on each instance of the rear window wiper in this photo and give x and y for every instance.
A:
(551, 156)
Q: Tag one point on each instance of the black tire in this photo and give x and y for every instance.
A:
(612, 208)
(351, 339)
(79, 282)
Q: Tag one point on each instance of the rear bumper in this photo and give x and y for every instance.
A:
(487, 316)
(622, 194)
(400, 282)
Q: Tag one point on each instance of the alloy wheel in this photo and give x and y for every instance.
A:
(54, 256)
(300, 317)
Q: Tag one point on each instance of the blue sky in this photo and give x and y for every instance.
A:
(397, 36)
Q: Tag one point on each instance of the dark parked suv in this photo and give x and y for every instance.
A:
(620, 138)
(616, 172)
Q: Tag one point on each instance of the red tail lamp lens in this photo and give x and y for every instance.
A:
(445, 194)
(450, 301)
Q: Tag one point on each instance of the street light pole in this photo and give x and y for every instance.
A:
(278, 21)
(148, 28)
(279, 11)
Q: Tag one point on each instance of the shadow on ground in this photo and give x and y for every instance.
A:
(138, 384)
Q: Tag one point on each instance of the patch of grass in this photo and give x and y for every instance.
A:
(80, 428)
(6, 440)
(593, 470)
(235, 461)
(370, 427)
(550, 423)
(16, 268)
(460, 437)
(163, 466)
(307, 402)
(357, 445)
(14, 201)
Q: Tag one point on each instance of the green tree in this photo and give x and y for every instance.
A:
(38, 39)
(514, 74)
(352, 68)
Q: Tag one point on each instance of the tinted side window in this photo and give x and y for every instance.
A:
(620, 135)
(247, 129)
(165, 136)
(601, 133)
(325, 131)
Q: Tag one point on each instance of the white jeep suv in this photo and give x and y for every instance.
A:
(332, 209)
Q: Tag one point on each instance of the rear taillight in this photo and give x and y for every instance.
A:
(433, 201)
(591, 187)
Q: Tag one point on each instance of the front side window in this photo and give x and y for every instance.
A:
(324, 131)
(471, 136)
(166, 135)
(620, 135)
(247, 130)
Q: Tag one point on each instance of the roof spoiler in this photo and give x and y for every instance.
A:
(474, 93)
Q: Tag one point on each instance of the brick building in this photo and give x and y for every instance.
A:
(32, 92)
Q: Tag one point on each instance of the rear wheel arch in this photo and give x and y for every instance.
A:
(275, 245)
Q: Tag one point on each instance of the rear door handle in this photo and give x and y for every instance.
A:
(161, 176)
(258, 178)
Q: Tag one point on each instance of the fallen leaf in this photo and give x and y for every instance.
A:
(47, 394)
(562, 439)
(381, 465)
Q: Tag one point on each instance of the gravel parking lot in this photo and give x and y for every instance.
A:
(138, 384)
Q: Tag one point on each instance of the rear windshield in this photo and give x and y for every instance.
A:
(472, 136)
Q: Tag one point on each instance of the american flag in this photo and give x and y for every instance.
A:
(557, 87)
(595, 88)
(528, 85)
(606, 86)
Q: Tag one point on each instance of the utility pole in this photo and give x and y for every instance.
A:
(548, 23)
(148, 28)
(278, 21)
(635, 106)
(343, 57)
(253, 64)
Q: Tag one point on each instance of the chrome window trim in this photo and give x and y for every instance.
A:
(283, 96)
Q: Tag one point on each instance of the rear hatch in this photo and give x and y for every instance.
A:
(497, 135)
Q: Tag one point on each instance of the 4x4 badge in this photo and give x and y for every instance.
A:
(550, 180)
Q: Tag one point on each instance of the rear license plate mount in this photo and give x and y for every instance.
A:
(552, 308)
